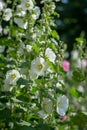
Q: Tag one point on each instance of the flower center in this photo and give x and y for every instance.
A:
(27, 4)
(59, 104)
(5, 15)
(19, 10)
(13, 76)
(47, 57)
(40, 66)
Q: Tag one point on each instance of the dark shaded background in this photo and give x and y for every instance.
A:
(73, 20)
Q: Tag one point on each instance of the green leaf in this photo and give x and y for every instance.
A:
(36, 48)
(5, 114)
(75, 93)
(23, 123)
(78, 75)
(24, 128)
(22, 81)
(44, 127)
(80, 40)
(16, 100)
(8, 42)
(79, 119)
(55, 35)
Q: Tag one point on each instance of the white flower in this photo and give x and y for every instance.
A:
(74, 54)
(2, 4)
(47, 105)
(21, 49)
(7, 14)
(36, 13)
(42, 114)
(83, 63)
(62, 105)
(37, 67)
(1, 29)
(12, 76)
(50, 55)
(27, 4)
(20, 11)
(57, 0)
(28, 48)
(11, 125)
(6, 30)
(21, 22)
(2, 48)
(33, 75)
(81, 89)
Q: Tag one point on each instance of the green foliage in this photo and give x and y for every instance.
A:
(40, 89)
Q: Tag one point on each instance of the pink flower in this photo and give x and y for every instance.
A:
(64, 118)
(66, 65)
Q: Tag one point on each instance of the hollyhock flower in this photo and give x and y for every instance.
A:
(7, 14)
(42, 114)
(12, 76)
(6, 30)
(84, 63)
(36, 13)
(21, 49)
(27, 4)
(1, 29)
(66, 66)
(28, 48)
(62, 105)
(2, 4)
(74, 54)
(20, 11)
(21, 23)
(50, 55)
(47, 105)
(2, 48)
(37, 68)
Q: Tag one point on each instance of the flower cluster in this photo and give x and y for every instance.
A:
(35, 76)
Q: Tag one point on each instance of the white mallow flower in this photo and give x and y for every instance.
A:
(2, 48)
(21, 23)
(20, 11)
(7, 14)
(83, 63)
(12, 76)
(42, 114)
(57, 0)
(27, 4)
(50, 55)
(47, 105)
(62, 105)
(2, 4)
(36, 13)
(74, 54)
(1, 29)
(33, 75)
(6, 30)
(21, 49)
(38, 66)
(28, 48)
